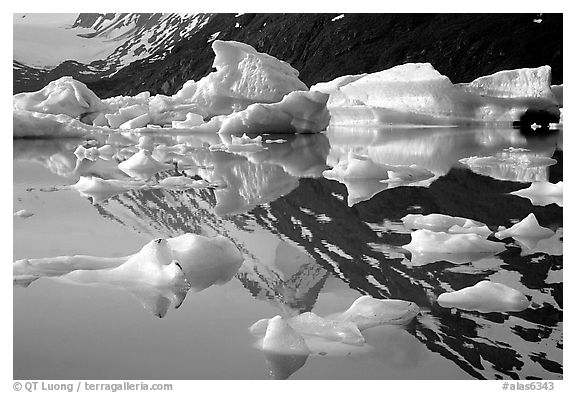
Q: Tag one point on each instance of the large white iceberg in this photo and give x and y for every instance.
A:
(415, 93)
(243, 76)
(485, 296)
(159, 274)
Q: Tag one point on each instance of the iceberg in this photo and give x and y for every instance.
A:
(310, 324)
(99, 190)
(429, 246)
(519, 165)
(366, 312)
(543, 193)
(528, 231)
(159, 275)
(142, 165)
(365, 178)
(63, 96)
(417, 94)
(444, 223)
(485, 297)
(243, 76)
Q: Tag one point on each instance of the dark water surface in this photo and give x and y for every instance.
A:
(305, 249)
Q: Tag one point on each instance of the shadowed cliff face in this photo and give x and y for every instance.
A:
(316, 236)
(322, 47)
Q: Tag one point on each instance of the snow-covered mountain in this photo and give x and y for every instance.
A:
(91, 46)
(160, 52)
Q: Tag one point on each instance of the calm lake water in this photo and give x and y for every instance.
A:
(309, 243)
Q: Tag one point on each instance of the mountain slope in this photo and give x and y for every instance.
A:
(325, 46)
(159, 52)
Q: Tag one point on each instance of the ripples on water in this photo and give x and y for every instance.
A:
(309, 243)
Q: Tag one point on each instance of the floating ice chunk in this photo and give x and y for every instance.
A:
(106, 152)
(281, 338)
(192, 120)
(62, 96)
(299, 111)
(512, 165)
(241, 144)
(428, 242)
(528, 231)
(444, 223)
(357, 167)
(181, 183)
(159, 274)
(100, 189)
(367, 312)
(337, 18)
(543, 193)
(310, 324)
(23, 213)
(243, 76)
(415, 93)
(206, 261)
(33, 124)
(406, 175)
(142, 165)
(485, 297)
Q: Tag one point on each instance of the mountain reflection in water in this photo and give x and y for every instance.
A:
(308, 234)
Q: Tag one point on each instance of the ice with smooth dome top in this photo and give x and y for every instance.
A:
(485, 297)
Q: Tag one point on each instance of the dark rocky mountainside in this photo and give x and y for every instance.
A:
(325, 46)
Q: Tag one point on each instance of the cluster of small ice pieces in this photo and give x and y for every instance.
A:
(159, 275)
(439, 237)
(253, 92)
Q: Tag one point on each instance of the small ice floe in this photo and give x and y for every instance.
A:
(23, 213)
(337, 18)
(485, 297)
(427, 246)
(516, 165)
(142, 165)
(181, 183)
(528, 232)
(367, 312)
(357, 167)
(100, 189)
(406, 175)
(311, 324)
(276, 140)
(444, 223)
(245, 144)
(159, 275)
(543, 193)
